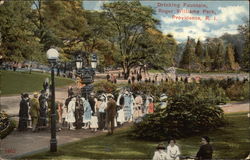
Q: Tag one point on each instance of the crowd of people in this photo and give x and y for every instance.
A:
(101, 111)
(172, 151)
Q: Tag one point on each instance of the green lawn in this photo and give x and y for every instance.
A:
(18, 82)
(230, 142)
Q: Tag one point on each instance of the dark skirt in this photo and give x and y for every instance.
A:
(23, 123)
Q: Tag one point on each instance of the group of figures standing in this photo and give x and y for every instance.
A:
(36, 109)
(97, 111)
(104, 111)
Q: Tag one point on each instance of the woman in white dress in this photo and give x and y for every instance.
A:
(87, 113)
(70, 118)
(160, 153)
(64, 114)
(94, 123)
(173, 151)
(120, 113)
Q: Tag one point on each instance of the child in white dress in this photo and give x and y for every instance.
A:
(94, 123)
(173, 151)
(160, 153)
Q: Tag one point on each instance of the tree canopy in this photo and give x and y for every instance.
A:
(135, 34)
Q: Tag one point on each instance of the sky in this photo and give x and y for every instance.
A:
(197, 19)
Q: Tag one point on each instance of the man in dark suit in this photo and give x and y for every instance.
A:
(111, 113)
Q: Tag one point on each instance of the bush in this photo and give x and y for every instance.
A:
(105, 87)
(6, 125)
(238, 91)
(187, 114)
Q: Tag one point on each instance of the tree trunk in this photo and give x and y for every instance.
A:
(65, 68)
(126, 71)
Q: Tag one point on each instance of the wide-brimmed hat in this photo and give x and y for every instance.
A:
(150, 98)
(161, 146)
(110, 95)
(163, 97)
(102, 97)
(35, 94)
(25, 95)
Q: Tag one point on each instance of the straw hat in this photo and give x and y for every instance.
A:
(160, 146)
(110, 95)
(35, 94)
(163, 97)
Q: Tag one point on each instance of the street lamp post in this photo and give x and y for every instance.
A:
(86, 72)
(52, 55)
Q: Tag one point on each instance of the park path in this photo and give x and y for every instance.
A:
(22, 143)
(10, 104)
(236, 107)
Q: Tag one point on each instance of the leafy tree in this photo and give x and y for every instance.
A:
(219, 57)
(199, 49)
(199, 55)
(216, 52)
(44, 31)
(97, 35)
(17, 32)
(230, 60)
(237, 41)
(188, 58)
(154, 47)
(207, 60)
(244, 31)
(129, 22)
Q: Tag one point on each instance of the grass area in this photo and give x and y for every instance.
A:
(155, 71)
(18, 82)
(230, 142)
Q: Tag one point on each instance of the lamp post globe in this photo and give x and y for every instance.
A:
(52, 55)
(79, 62)
(94, 61)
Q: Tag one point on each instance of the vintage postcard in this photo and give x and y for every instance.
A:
(124, 79)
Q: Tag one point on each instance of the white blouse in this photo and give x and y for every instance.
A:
(173, 152)
(160, 155)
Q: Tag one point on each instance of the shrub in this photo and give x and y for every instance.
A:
(105, 86)
(186, 115)
(145, 88)
(6, 125)
(238, 91)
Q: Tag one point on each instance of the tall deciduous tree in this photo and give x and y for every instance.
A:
(244, 31)
(17, 32)
(60, 23)
(155, 49)
(129, 21)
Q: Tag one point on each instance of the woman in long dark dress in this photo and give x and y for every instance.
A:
(23, 112)
(206, 150)
(42, 123)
